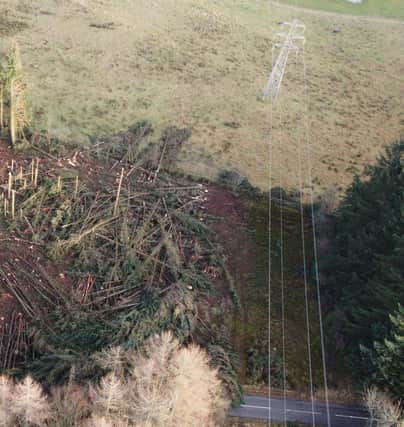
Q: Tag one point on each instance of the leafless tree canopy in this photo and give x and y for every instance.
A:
(162, 385)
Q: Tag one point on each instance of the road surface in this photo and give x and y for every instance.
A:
(301, 411)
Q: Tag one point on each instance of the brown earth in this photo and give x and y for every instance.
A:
(231, 231)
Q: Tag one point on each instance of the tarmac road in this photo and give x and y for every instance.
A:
(301, 411)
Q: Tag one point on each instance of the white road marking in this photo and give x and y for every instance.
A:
(280, 409)
(302, 411)
(253, 406)
(351, 416)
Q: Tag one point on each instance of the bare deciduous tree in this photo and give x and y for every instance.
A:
(383, 411)
(29, 404)
(166, 385)
(6, 393)
(169, 385)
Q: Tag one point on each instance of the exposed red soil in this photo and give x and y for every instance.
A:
(231, 212)
(6, 157)
(226, 205)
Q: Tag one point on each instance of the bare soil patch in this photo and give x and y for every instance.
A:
(231, 228)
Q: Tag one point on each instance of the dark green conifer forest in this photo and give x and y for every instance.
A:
(366, 274)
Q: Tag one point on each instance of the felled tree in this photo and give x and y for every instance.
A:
(141, 262)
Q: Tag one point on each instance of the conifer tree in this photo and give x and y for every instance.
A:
(387, 357)
(365, 274)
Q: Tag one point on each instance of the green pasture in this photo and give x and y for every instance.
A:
(381, 8)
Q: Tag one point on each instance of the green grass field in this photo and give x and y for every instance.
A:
(381, 8)
(96, 67)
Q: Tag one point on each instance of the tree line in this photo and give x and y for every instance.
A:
(366, 274)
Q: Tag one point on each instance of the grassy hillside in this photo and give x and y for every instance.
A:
(386, 8)
(96, 67)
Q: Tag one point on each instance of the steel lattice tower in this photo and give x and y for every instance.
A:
(286, 43)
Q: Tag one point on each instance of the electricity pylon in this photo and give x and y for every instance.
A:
(287, 42)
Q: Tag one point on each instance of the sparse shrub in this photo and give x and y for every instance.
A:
(258, 365)
(224, 359)
(230, 179)
(329, 200)
(236, 182)
(258, 362)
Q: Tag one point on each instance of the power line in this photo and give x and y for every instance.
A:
(269, 253)
(306, 298)
(313, 224)
(272, 90)
(281, 240)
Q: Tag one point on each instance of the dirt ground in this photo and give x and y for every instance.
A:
(95, 67)
(230, 224)
(6, 157)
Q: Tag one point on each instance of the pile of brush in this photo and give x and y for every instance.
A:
(139, 253)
